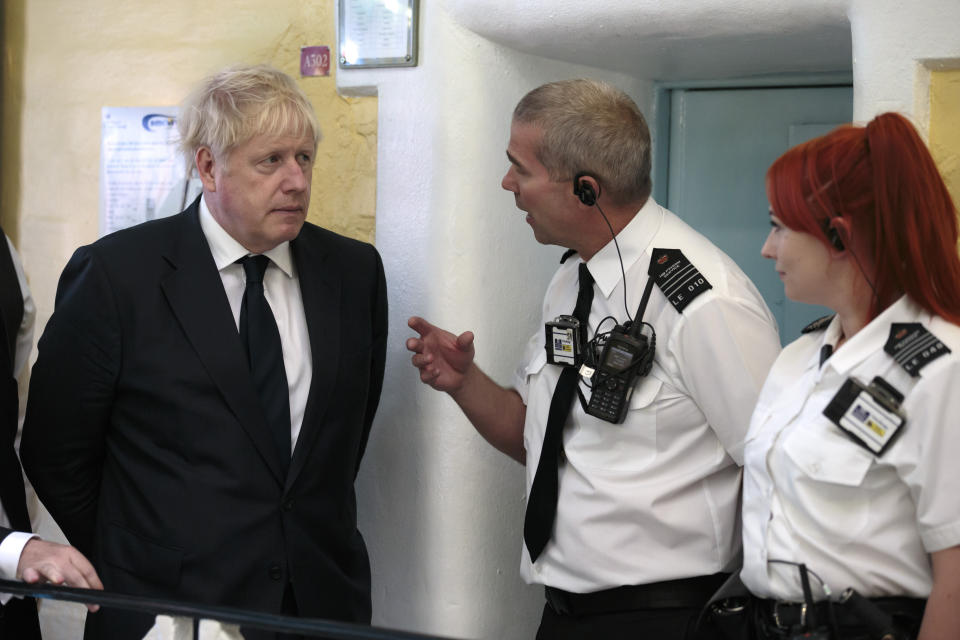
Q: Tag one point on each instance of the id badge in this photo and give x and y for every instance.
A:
(562, 341)
(870, 415)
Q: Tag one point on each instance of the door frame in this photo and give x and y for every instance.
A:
(663, 98)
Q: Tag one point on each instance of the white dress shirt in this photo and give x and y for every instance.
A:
(12, 546)
(813, 495)
(657, 497)
(281, 286)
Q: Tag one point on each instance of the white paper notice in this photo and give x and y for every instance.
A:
(142, 175)
(376, 29)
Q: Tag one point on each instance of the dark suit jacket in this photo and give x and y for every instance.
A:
(18, 618)
(145, 439)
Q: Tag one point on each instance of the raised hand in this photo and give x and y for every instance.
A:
(442, 358)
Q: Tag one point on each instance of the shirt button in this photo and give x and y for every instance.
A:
(275, 572)
(288, 505)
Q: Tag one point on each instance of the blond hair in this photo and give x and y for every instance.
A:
(240, 102)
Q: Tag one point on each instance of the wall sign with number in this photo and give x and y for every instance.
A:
(314, 61)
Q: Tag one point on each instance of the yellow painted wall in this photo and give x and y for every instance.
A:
(12, 97)
(945, 126)
(65, 59)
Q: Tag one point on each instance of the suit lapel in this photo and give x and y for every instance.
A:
(195, 293)
(320, 285)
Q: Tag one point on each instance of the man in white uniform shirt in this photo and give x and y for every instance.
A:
(643, 526)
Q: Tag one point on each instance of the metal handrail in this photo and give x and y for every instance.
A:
(315, 627)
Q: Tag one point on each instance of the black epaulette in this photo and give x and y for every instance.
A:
(679, 280)
(913, 346)
(818, 325)
(567, 254)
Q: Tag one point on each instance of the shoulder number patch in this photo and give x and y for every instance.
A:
(913, 347)
(679, 280)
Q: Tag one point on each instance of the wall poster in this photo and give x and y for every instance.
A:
(142, 174)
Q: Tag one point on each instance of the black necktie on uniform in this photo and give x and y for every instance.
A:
(258, 330)
(542, 503)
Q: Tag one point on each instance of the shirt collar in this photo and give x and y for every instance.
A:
(830, 336)
(872, 337)
(226, 250)
(634, 240)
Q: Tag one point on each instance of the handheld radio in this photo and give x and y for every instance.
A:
(627, 354)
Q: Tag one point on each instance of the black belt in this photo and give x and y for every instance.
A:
(782, 616)
(670, 594)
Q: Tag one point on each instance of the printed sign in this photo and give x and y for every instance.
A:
(142, 175)
(314, 61)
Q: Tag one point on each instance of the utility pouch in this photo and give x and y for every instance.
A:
(732, 617)
(730, 610)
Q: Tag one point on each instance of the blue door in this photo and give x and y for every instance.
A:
(721, 143)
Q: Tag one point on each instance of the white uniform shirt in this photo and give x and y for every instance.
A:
(654, 498)
(281, 288)
(813, 495)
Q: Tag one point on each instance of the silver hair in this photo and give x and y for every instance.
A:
(591, 127)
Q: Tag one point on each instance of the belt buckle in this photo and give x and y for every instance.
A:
(776, 614)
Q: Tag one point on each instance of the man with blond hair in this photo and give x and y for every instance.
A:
(205, 387)
(631, 523)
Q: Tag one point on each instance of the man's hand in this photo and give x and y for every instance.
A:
(446, 363)
(442, 358)
(43, 561)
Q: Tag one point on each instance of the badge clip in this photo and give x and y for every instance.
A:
(870, 415)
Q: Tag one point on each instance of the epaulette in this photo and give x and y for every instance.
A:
(913, 346)
(679, 280)
(818, 325)
(567, 254)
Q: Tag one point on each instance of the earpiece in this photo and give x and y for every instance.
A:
(584, 190)
(834, 237)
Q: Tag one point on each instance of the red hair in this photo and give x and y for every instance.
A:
(883, 181)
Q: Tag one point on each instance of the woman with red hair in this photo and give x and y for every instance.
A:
(851, 518)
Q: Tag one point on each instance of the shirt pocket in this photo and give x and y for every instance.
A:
(628, 446)
(524, 373)
(828, 488)
(536, 364)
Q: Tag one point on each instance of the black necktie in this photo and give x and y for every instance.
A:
(542, 503)
(258, 330)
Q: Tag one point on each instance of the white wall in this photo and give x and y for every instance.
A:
(894, 45)
(442, 510)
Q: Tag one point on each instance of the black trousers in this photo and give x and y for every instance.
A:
(643, 624)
